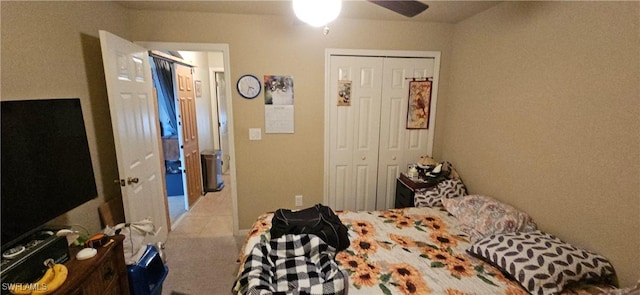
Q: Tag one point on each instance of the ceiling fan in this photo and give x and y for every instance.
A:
(409, 8)
(318, 13)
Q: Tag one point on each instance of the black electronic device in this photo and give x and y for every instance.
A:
(24, 261)
(46, 165)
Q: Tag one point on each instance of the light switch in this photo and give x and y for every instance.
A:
(255, 133)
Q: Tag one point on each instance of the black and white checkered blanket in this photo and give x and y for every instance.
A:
(291, 264)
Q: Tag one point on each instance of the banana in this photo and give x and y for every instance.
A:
(46, 278)
(52, 279)
(41, 284)
(60, 276)
(20, 288)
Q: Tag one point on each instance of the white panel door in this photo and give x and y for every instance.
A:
(135, 131)
(354, 129)
(188, 131)
(399, 146)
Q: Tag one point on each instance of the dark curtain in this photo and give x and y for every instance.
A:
(163, 80)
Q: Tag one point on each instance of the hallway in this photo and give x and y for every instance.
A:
(201, 249)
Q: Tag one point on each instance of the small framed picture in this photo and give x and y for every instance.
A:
(344, 93)
(198, 88)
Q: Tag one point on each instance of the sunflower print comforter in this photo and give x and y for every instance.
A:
(406, 251)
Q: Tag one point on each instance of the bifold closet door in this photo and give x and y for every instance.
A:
(398, 145)
(354, 133)
(369, 144)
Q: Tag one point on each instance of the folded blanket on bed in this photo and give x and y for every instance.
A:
(291, 264)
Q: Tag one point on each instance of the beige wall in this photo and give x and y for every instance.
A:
(543, 112)
(272, 171)
(52, 50)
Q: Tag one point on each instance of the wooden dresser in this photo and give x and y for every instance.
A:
(106, 273)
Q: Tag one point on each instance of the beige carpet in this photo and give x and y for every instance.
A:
(201, 250)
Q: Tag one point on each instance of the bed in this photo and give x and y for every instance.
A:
(436, 249)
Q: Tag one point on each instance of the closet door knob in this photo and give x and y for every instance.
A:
(364, 158)
(393, 158)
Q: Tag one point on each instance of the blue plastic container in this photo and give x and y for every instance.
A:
(146, 277)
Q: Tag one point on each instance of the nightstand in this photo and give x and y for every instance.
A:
(406, 187)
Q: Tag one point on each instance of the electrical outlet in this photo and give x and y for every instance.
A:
(299, 201)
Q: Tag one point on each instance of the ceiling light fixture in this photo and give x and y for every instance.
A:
(317, 13)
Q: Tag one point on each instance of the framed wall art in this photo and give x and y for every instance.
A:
(344, 93)
(419, 104)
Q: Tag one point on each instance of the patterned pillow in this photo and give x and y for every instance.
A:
(431, 197)
(482, 216)
(426, 197)
(452, 188)
(542, 263)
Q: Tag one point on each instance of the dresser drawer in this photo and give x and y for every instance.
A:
(104, 276)
(112, 289)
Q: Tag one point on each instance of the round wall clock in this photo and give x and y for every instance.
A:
(249, 86)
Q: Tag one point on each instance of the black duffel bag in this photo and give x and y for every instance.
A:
(318, 220)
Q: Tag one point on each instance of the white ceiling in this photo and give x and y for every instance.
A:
(439, 11)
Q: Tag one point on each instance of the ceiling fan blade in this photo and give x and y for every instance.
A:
(406, 8)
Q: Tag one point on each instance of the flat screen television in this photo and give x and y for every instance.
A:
(46, 164)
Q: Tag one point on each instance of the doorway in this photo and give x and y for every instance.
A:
(173, 81)
(213, 98)
(218, 83)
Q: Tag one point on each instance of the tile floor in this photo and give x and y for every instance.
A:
(201, 249)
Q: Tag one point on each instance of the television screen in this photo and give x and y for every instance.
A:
(46, 164)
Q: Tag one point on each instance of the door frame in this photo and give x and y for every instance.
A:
(223, 143)
(224, 48)
(215, 108)
(330, 98)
